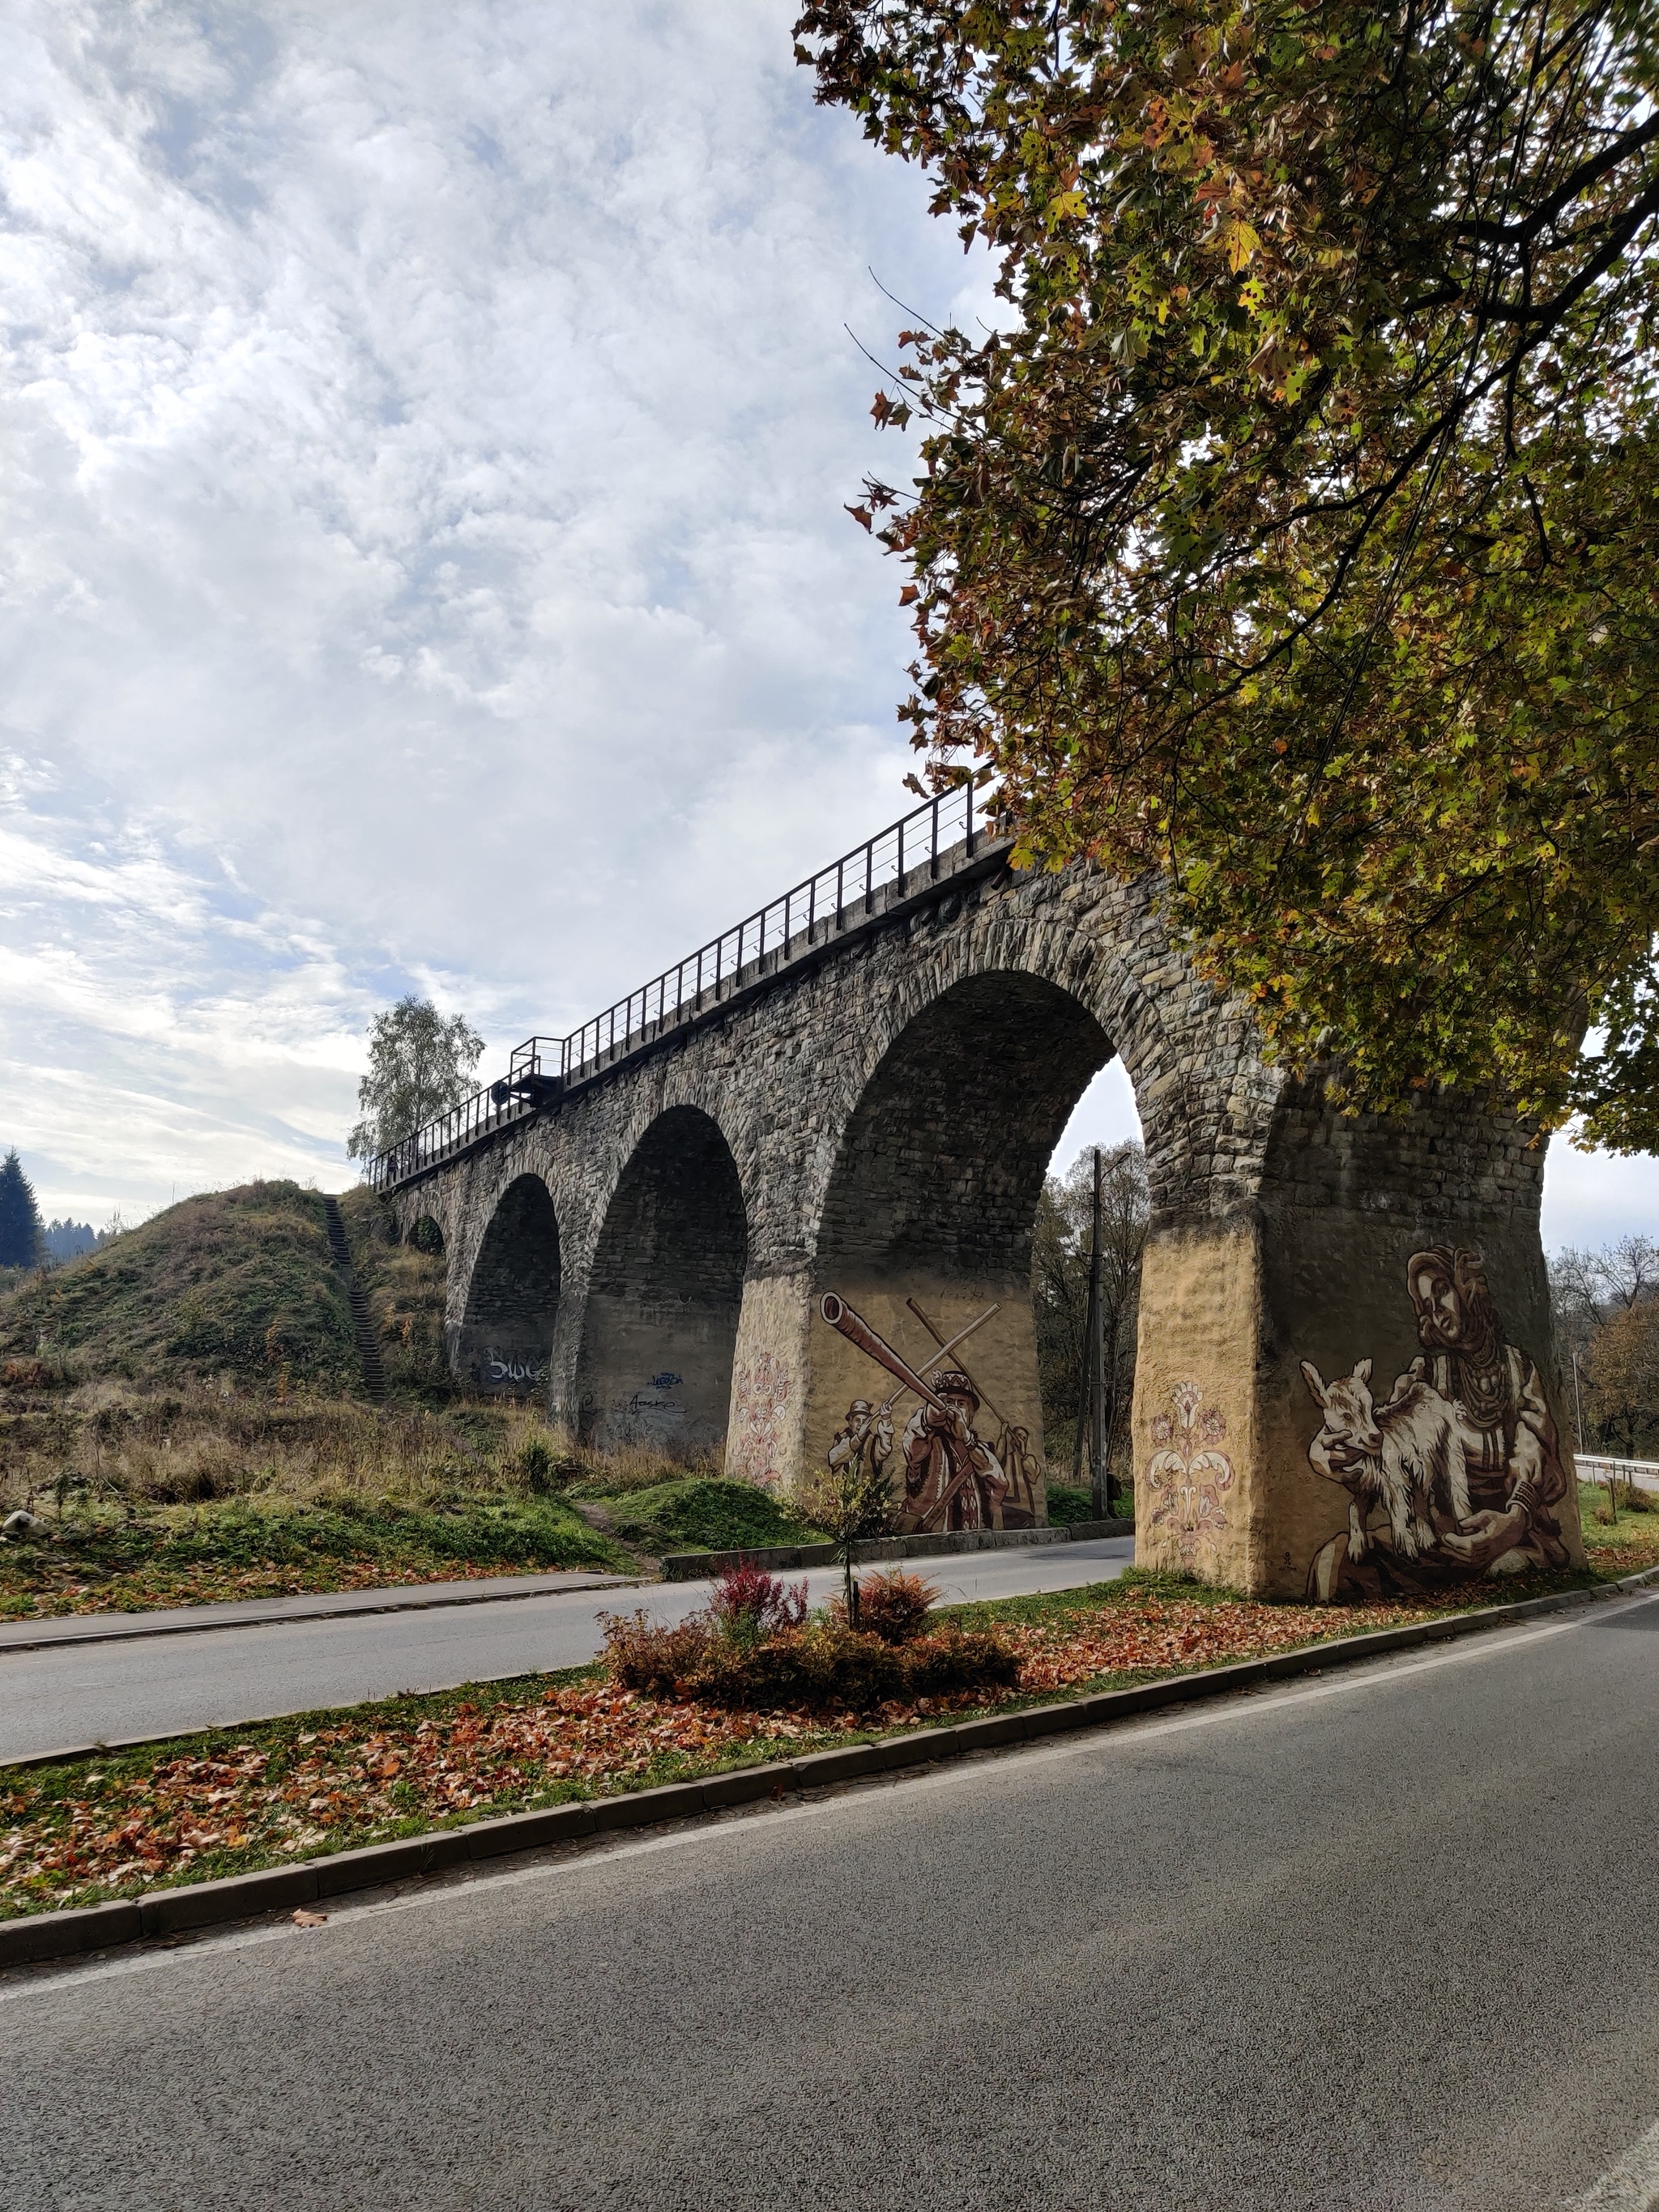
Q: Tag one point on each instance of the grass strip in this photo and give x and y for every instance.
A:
(229, 1801)
(204, 1555)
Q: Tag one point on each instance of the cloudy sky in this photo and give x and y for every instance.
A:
(426, 429)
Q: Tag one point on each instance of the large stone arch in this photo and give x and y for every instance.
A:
(664, 1291)
(1061, 971)
(505, 1335)
(926, 1227)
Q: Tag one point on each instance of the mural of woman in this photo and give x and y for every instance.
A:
(1463, 1456)
(1510, 1448)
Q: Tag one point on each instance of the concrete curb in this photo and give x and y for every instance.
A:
(126, 1628)
(694, 1566)
(48, 1936)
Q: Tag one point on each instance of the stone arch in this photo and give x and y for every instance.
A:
(664, 1292)
(513, 1297)
(926, 1225)
(426, 1235)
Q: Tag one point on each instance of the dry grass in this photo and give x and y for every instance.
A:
(109, 1443)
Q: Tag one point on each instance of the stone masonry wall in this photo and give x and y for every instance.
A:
(874, 1123)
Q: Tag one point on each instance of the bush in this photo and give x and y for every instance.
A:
(709, 1512)
(28, 1374)
(894, 1607)
(544, 1468)
(825, 1664)
(749, 1604)
(641, 1655)
(828, 1665)
(1067, 1506)
(958, 1659)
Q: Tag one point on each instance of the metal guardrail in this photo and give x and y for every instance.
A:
(1596, 1467)
(841, 893)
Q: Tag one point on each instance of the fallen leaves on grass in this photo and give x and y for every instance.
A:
(120, 1826)
(1624, 1550)
(1161, 1635)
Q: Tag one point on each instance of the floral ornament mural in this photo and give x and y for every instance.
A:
(1188, 1473)
(758, 1403)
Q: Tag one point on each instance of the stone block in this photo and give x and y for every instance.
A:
(529, 1831)
(986, 1734)
(638, 1809)
(820, 1768)
(749, 1785)
(403, 1860)
(39, 1935)
(239, 1897)
(922, 1749)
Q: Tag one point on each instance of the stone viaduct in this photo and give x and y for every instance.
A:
(855, 1099)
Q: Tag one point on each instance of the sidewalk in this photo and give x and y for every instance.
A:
(316, 1604)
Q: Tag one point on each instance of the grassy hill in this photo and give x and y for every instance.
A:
(234, 1287)
(184, 1410)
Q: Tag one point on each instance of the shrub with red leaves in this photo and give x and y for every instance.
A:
(749, 1605)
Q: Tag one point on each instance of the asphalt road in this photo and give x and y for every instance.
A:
(1381, 1941)
(112, 1693)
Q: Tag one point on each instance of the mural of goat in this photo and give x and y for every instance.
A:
(1405, 1455)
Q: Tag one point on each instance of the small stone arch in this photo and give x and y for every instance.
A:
(513, 1299)
(427, 1236)
(654, 1367)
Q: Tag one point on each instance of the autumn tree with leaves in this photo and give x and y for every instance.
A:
(1300, 538)
(1060, 1249)
(1607, 1321)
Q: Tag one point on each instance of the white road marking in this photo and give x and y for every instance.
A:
(1380, 1673)
(1631, 2185)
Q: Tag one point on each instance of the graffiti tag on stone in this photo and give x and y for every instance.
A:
(511, 1369)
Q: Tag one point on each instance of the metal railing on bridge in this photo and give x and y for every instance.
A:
(841, 893)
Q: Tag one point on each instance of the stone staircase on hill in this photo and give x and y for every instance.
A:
(369, 1350)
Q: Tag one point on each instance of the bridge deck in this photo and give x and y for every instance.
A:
(876, 884)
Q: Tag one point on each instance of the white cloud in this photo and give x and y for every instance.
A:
(428, 434)
(425, 438)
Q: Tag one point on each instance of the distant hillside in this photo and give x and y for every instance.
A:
(234, 1284)
(67, 1240)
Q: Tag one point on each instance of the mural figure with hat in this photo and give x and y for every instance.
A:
(867, 1436)
(1459, 1466)
(952, 1476)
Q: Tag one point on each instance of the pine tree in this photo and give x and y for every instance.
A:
(23, 1240)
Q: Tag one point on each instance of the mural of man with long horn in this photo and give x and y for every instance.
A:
(952, 1478)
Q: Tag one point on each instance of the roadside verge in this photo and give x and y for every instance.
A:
(34, 1938)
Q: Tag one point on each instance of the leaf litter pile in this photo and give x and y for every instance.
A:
(117, 1825)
